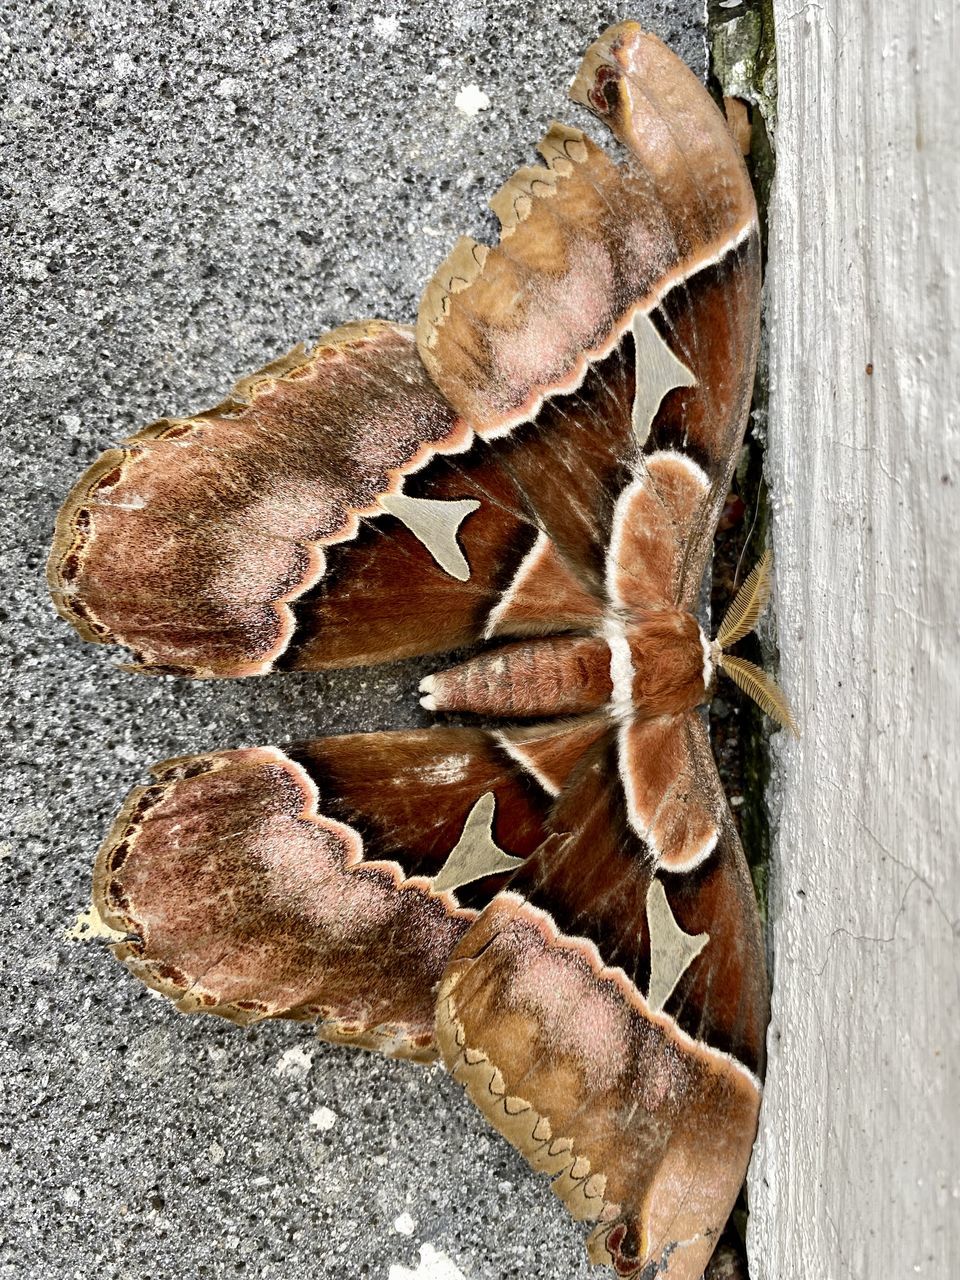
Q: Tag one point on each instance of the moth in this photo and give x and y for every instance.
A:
(558, 905)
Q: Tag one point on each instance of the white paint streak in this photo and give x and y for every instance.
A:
(471, 100)
(865, 268)
(433, 1265)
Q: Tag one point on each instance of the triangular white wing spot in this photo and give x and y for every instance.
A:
(671, 950)
(476, 854)
(658, 371)
(435, 521)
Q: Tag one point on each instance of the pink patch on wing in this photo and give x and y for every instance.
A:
(577, 1016)
(571, 313)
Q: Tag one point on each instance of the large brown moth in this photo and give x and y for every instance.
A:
(558, 906)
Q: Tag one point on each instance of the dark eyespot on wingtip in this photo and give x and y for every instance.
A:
(597, 84)
(604, 95)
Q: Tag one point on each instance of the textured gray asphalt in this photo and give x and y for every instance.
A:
(190, 190)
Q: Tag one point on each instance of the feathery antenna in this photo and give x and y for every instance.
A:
(748, 604)
(739, 620)
(756, 684)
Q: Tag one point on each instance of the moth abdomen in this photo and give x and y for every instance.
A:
(552, 676)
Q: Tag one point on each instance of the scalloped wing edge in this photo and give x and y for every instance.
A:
(71, 533)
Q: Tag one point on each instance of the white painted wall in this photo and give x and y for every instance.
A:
(857, 1171)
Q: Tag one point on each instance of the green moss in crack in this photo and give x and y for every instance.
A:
(744, 54)
(744, 65)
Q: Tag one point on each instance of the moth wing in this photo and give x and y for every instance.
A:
(608, 1017)
(342, 508)
(196, 541)
(674, 798)
(335, 511)
(634, 284)
(329, 882)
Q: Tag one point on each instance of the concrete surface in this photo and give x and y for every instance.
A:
(192, 189)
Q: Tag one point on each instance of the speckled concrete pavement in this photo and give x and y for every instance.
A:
(192, 189)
